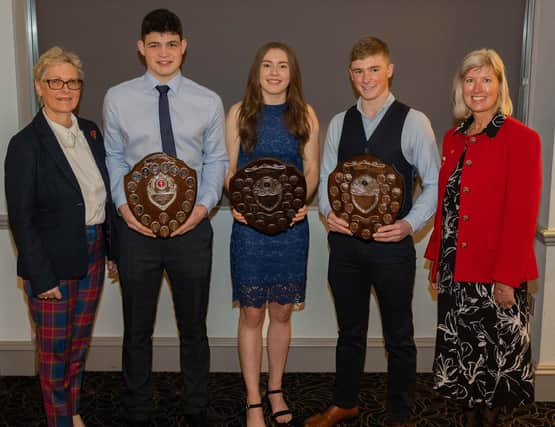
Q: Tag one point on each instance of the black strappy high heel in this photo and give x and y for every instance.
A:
(276, 415)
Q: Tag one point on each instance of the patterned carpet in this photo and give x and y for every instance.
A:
(307, 393)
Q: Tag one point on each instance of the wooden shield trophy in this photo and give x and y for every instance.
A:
(161, 192)
(269, 193)
(367, 193)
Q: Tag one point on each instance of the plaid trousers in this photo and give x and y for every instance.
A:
(63, 330)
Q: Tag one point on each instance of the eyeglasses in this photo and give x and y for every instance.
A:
(57, 84)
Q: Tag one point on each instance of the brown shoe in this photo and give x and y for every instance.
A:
(331, 416)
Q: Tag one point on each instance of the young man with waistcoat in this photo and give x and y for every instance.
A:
(380, 125)
(164, 111)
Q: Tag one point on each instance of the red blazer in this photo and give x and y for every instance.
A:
(499, 201)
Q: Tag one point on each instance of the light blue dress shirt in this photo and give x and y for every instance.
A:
(132, 131)
(418, 145)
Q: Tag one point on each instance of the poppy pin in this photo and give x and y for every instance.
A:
(93, 134)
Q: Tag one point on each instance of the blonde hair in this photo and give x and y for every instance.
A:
(56, 55)
(477, 59)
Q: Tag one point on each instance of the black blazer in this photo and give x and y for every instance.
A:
(46, 209)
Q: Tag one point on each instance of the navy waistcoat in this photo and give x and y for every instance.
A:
(385, 144)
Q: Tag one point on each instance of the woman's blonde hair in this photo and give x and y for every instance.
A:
(56, 55)
(476, 59)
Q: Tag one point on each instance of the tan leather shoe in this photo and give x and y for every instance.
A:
(331, 416)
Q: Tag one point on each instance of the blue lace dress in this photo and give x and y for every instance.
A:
(268, 268)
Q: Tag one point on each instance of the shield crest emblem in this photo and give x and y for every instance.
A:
(161, 191)
(267, 191)
(365, 192)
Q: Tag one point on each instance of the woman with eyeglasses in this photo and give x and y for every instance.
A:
(58, 207)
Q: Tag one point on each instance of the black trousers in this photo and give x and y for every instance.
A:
(355, 266)
(187, 261)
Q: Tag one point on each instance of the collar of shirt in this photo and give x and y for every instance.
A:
(490, 130)
(389, 100)
(65, 136)
(150, 84)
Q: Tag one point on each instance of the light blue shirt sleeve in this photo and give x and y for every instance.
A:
(419, 147)
(115, 155)
(329, 161)
(215, 161)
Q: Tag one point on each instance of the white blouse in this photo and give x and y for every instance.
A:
(78, 153)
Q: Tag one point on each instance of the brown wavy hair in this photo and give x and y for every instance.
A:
(296, 113)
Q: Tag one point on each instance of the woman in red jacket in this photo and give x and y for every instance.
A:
(482, 246)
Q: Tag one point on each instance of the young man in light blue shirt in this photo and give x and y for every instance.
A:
(133, 130)
(399, 135)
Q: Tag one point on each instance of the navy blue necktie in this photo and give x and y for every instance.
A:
(168, 143)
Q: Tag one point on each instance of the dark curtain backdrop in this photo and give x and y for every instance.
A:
(427, 38)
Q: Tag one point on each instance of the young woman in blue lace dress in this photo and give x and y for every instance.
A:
(269, 271)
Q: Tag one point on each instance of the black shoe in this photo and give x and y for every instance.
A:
(276, 415)
(199, 419)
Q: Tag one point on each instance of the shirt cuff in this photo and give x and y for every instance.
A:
(119, 200)
(206, 202)
(325, 211)
(415, 225)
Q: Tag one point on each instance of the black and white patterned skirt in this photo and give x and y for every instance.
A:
(482, 353)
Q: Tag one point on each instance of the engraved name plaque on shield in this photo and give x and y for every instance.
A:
(268, 193)
(367, 193)
(161, 192)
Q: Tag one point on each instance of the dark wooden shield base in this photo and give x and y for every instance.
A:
(269, 193)
(161, 192)
(367, 193)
